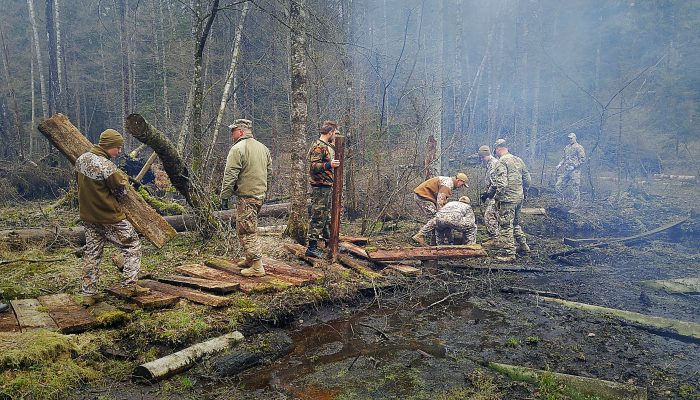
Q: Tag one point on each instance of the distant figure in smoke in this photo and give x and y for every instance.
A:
(455, 215)
(569, 181)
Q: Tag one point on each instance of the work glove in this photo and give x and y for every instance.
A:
(569, 167)
(484, 196)
(224, 204)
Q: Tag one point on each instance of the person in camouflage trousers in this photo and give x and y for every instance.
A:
(487, 197)
(512, 180)
(431, 196)
(453, 216)
(569, 181)
(322, 164)
(100, 184)
(247, 175)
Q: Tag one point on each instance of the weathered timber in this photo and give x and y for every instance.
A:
(8, 321)
(358, 266)
(152, 300)
(625, 240)
(248, 285)
(309, 274)
(230, 267)
(184, 359)
(336, 198)
(263, 349)
(681, 285)
(573, 385)
(682, 178)
(358, 240)
(522, 290)
(69, 316)
(299, 250)
(72, 144)
(533, 211)
(204, 284)
(192, 295)
(427, 253)
(404, 269)
(355, 250)
(30, 317)
(689, 330)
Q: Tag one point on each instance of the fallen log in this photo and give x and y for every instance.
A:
(573, 385)
(354, 249)
(683, 329)
(264, 349)
(357, 266)
(521, 290)
(184, 359)
(427, 253)
(72, 144)
(681, 285)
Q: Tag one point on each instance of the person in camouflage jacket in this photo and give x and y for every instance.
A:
(455, 215)
(322, 164)
(570, 179)
(487, 197)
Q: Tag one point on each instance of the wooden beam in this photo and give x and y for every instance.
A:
(248, 285)
(336, 198)
(192, 295)
(358, 240)
(299, 251)
(427, 253)
(30, 316)
(204, 284)
(152, 300)
(522, 290)
(358, 266)
(72, 144)
(69, 316)
(404, 269)
(355, 250)
(8, 321)
(271, 272)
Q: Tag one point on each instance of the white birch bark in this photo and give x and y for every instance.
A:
(37, 54)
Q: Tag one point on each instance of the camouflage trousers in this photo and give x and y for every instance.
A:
(429, 210)
(491, 218)
(443, 224)
(247, 227)
(568, 187)
(320, 223)
(124, 237)
(511, 232)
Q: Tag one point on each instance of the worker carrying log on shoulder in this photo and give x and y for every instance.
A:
(455, 215)
(100, 183)
(432, 195)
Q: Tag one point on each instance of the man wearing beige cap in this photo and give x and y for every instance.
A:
(431, 195)
(247, 174)
(569, 181)
(100, 184)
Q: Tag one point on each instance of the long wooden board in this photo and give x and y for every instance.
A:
(273, 268)
(155, 299)
(69, 316)
(192, 295)
(30, 317)
(354, 249)
(404, 269)
(203, 284)
(247, 285)
(8, 321)
(427, 253)
(681, 285)
(72, 143)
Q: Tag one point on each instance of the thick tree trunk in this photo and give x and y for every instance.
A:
(18, 145)
(37, 54)
(54, 88)
(124, 46)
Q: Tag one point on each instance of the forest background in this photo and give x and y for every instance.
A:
(416, 85)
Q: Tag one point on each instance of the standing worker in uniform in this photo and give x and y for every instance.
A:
(487, 197)
(512, 180)
(431, 195)
(322, 165)
(570, 179)
(100, 184)
(247, 174)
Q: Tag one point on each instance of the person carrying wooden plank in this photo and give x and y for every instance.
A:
(487, 197)
(100, 183)
(455, 215)
(322, 165)
(247, 175)
(432, 194)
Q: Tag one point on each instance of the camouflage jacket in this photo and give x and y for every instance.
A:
(320, 156)
(574, 155)
(511, 178)
(100, 183)
(248, 169)
(457, 209)
(490, 181)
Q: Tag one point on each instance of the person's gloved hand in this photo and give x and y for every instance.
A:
(224, 204)
(569, 167)
(136, 184)
(524, 195)
(484, 196)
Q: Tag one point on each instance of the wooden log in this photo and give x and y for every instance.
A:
(533, 211)
(404, 269)
(248, 285)
(427, 253)
(685, 329)
(203, 284)
(299, 250)
(681, 285)
(573, 385)
(355, 250)
(357, 266)
(69, 316)
(155, 299)
(72, 144)
(192, 295)
(184, 359)
(31, 316)
(358, 240)
(8, 321)
(228, 266)
(264, 349)
(336, 198)
(299, 271)
(521, 290)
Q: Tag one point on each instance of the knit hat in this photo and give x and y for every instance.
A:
(110, 139)
(465, 199)
(242, 123)
(484, 151)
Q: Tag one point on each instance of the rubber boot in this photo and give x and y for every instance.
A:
(420, 239)
(256, 269)
(312, 250)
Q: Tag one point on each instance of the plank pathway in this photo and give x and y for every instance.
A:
(192, 295)
(69, 316)
(30, 316)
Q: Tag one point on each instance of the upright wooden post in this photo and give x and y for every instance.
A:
(337, 204)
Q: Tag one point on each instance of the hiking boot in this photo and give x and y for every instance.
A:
(510, 258)
(256, 269)
(312, 250)
(136, 290)
(523, 249)
(242, 263)
(4, 307)
(490, 243)
(420, 239)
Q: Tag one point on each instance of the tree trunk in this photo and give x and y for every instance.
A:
(124, 46)
(351, 204)
(17, 145)
(298, 214)
(62, 95)
(54, 88)
(37, 53)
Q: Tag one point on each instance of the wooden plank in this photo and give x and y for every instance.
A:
(69, 141)
(533, 211)
(355, 250)
(404, 269)
(155, 299)
(299, 271)
(358, 240)
(358, 266)
(228, 266)
(192, 295)
(427, 253)
(247, 284)
(681, 285)
(30, 316)
(68, 315)
(299, 250)
(8, 321)
(336, 198)
(204, 284)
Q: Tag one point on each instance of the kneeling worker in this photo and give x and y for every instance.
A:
(455, 215)
(432, 195)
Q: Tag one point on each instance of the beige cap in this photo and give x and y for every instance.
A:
(110, 139)
(241, 123)
(465, 199)
(462, 177)
(571, 135)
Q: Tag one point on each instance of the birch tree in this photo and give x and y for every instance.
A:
(37, 55)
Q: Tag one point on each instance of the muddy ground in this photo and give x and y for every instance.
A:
(397, 343)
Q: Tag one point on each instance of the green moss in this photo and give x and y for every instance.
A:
(532, 340)
(174, 327)
(51, 381)
(482, 388)
(513, 342)
(112, 318)
(31, 349)
(163, 207)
